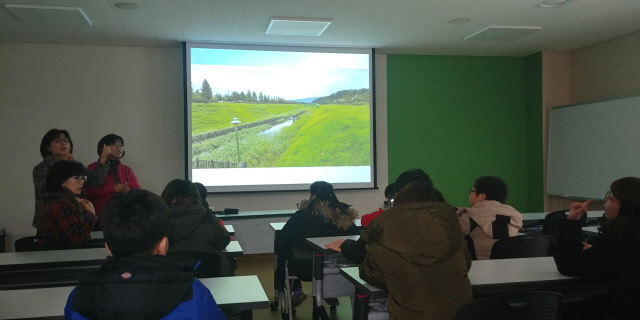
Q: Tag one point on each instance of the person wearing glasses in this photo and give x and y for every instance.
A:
(57, 145)
(119, 179)
(613, 257)
(67, 220)
(488, 219)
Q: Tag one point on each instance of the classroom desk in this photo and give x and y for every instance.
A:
(232, 294)
(37, 269)
(590, 231)
(338, 287)
(492, 277)
(20, 270)
(97, 235)
(537, 218)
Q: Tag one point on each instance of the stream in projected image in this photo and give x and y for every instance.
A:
(276, 128)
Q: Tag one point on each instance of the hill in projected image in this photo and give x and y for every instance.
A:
(331, 130)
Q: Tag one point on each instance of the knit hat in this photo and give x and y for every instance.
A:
(61, 171)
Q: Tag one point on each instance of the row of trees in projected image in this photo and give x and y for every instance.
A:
(205, 94)
(330, 131)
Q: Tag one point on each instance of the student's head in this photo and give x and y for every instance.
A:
(623, 200)
(57, 143)
(116, 143)
(390, 191)
(66, 175)
(409, 176)
(181, 191)
(488, 188)
(419, 191)
(202, 190)
(135, 224)
(322, 191)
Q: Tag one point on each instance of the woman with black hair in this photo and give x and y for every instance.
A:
(119, 178)
(66, 219)
(57, 145)
(323, 215)
(615, 255)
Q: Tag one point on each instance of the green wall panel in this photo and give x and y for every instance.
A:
(459, 118)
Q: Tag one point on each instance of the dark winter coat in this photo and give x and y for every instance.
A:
(147, 287)
(417, 252)
(193, 229)
(607, 259)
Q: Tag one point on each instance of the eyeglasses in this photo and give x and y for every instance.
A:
(609, 197)
(79, 179)
(472, 190)
(61, 140)
(117, 145)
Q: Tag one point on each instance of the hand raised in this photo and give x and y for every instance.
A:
(577, 209)
(335, 245)
(106, 150)
(86, 205)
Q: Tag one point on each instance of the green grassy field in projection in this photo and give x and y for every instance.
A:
(324, 136)
(215, 116)
(335, 135)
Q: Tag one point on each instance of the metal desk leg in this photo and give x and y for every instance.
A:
(361, 307)
(318, 277)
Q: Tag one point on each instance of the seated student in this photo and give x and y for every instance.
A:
(66, 220)
(355, 250)
(202, 190)
(389, 194)
(139, 281)
(416, 251)
(195, 230)
(614, 256)
(489, 219)
(322, 216)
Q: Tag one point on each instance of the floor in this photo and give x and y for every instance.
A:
(262, 266)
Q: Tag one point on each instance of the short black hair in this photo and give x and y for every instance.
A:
(109, 140)
(390, 191)
(134, 223)
(418, 191)
(61, 171)
(411, 175)
(52, 135)
(493, 188)
(202, 190)
(178, 191)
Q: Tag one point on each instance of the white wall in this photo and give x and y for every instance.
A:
(135, 92)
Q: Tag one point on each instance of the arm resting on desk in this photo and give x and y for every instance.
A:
(354, 250)
(570, 257)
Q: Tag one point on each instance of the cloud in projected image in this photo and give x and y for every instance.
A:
(290, 75)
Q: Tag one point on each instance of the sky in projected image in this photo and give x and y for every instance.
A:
(289, 75)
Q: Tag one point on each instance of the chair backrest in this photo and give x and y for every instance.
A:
(209, 262)
(538, 305)
(35, 243)
(527, 246)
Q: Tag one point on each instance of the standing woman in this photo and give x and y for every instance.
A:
(57, 145)
(66, 219)
(119, 178)
(615, 255)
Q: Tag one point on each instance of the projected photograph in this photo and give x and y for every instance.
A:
(276, 109)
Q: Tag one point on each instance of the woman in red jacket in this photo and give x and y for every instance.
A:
(120, 178)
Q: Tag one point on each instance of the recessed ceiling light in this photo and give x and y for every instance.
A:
(553, 3)
(459, 21)
(297, 26)
(127, 5)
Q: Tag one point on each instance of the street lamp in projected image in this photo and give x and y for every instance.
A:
(235, 123)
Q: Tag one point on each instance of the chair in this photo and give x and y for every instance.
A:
(209, 262)
(552, 223)
(35, 243)
(540, 305)
(527, 246)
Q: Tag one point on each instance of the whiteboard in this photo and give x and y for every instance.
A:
(592, 145)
